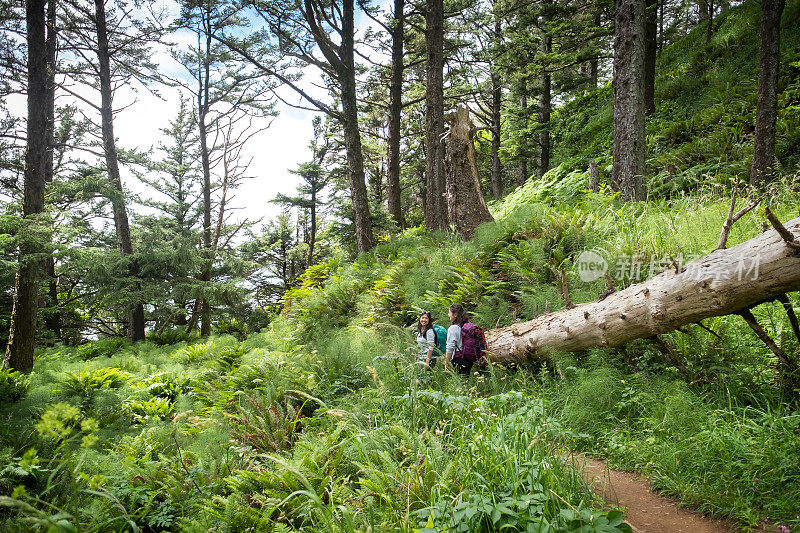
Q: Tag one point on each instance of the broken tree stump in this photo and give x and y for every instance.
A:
(466, 208)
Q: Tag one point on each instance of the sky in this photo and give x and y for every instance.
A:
(277, 150)
(274, 152)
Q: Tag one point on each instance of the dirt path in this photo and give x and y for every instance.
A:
(647, 512)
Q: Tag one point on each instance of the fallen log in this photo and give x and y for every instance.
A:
(724, 282)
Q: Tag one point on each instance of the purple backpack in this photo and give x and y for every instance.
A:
(473, 343)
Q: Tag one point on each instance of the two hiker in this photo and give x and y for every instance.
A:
(462, 344)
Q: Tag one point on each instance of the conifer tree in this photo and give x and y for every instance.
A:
(763, 166)
(108, 45)
(435, 204)
(226, 92)
(177, 220)
(629, 109)
(22, 335)
(315, 179)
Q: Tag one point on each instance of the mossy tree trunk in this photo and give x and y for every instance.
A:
(395, 110)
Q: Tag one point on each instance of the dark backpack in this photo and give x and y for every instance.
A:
(473, 343)
(440, 339)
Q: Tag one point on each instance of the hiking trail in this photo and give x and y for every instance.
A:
(647, 512)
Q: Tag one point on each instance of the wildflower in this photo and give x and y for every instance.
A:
(373, 373)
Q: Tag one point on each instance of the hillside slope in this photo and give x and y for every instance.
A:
(702, 130)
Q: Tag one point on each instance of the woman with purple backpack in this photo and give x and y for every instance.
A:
(465, 341)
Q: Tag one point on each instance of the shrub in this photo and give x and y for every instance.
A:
(168, 336)
(233, 327)
(13, 385)
(88, 381)
(103, 347)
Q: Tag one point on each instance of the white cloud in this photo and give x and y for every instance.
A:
(283, 146)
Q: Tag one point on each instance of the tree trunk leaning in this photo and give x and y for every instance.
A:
(346, 74)
(721, 283)
(466, 208)
(136, 313)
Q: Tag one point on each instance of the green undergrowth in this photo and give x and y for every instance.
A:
(325, 421)
(268, 435)
(725, 455)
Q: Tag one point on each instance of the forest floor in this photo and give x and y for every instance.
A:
(647, 512)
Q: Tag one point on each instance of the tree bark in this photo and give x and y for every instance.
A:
(312, 238)
(136, 317)
(710, 26)
(52, 320)
(545, 98)
(346, 73)
(203, 88)
(22, 333)
(523, 158)
(395, 110)
(497, 166)
(593, 63)
(594, 175)
(465, 205)
(629, 117)
(650, 53)
(435, 206)
(660, 39)
(702, 11)
(763, 166)
(721, 283)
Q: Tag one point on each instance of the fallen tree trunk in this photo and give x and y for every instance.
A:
(721, 283)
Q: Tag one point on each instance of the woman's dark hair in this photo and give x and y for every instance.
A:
(421, 332)
(461, 315)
